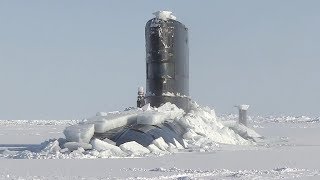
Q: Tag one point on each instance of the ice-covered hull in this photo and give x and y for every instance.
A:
(145, 134)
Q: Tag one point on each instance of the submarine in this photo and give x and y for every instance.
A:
(167, 80)
(161, 117)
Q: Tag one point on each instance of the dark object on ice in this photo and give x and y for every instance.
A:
(243, 114)
(140, 99)
(243, 117)
(140, 102)
(144, 134)
(167, 63)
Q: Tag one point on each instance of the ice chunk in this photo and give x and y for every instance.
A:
(101, 114)
(178, 145)
(99, 145)
(164, 15)
(109, 141)
(76, 145)
(64, 150)
(106, 149)
(104, 154)
(242, 130)
(103, 124)
(165, 112)
(172, 148)
(154, 149)
(146, 107)
(77, 153)
(160, 143)
(110, 153)
(134, 148)
(203, 127)
(172, 111)
(151, 118)
(51, 146)
(185, 143)
(189, 134)
(81, 133)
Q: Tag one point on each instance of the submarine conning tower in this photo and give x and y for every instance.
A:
(167, 61)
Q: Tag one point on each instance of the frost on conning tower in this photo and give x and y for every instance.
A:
(164, 15)
(167, 61)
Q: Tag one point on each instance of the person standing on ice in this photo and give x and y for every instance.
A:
(140, 100)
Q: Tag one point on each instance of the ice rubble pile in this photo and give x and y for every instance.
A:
(203, 132)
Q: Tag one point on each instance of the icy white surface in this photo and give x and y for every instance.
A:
(76, 145)
(81, 133)
(290, 151)
(164, 15)
(285, 119)
(37, 122)
(106, 147)
(241, 129)
(272, 119)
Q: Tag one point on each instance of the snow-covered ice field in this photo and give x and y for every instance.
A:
(290, 150)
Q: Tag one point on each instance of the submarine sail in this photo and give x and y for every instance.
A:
(167, 61)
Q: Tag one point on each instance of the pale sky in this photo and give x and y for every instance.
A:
(71, 59)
